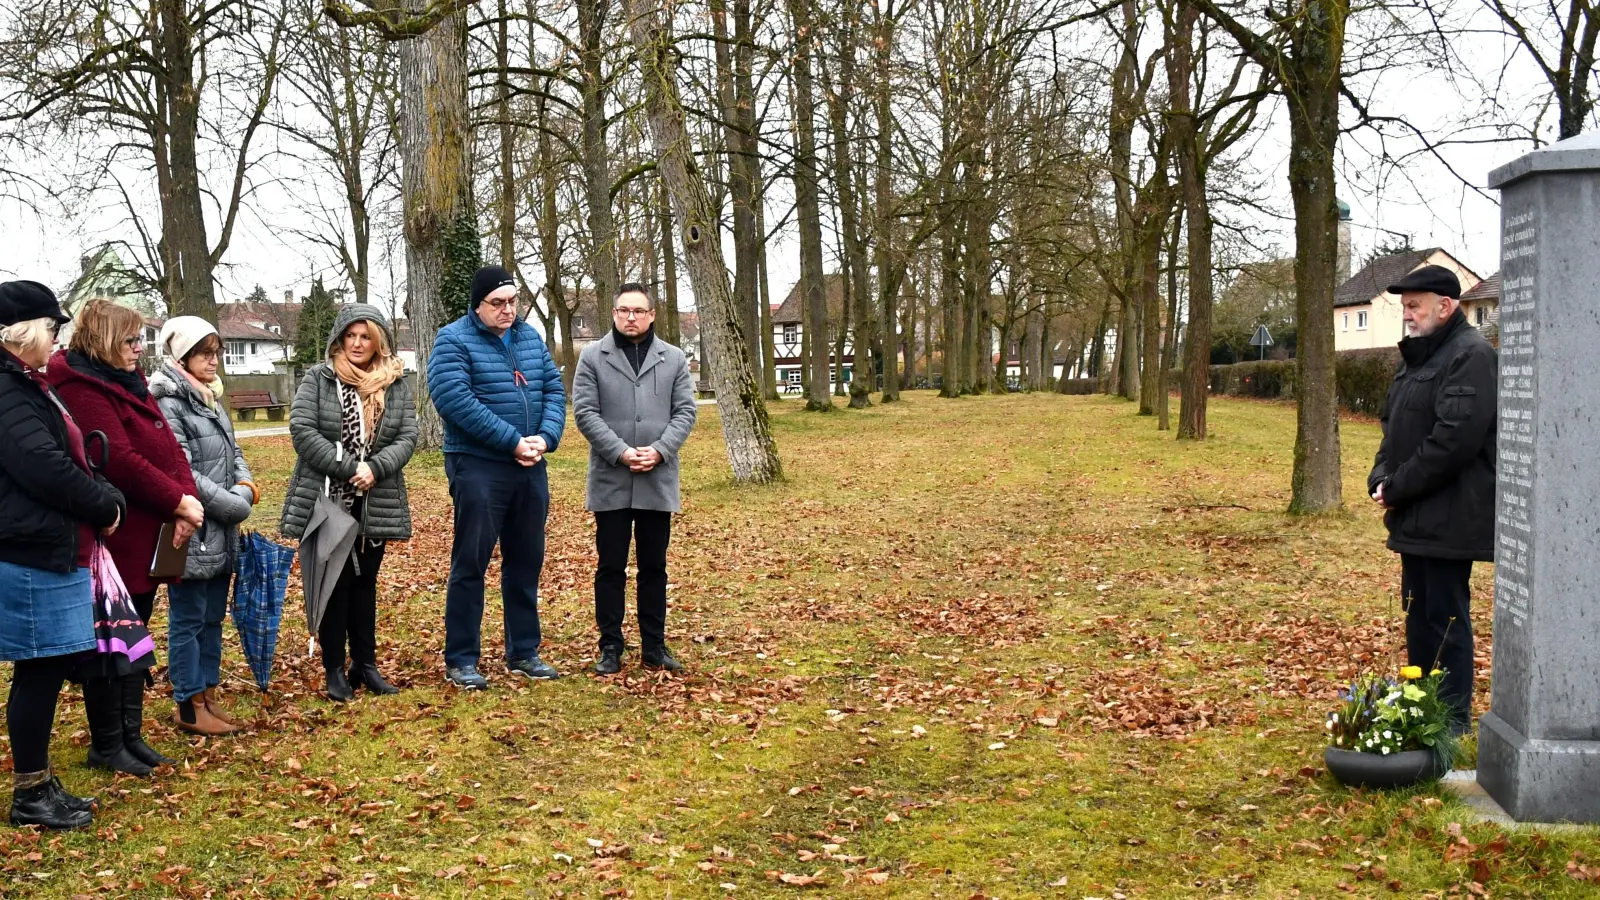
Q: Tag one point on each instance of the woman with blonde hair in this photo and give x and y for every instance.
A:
(51, 505)
(98, 379)
(189, 392)
(354, 425)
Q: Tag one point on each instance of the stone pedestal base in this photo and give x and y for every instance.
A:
(1536, 780)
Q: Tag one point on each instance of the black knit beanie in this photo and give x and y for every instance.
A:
(488, 280)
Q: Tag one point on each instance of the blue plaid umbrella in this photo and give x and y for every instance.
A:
(258, 600)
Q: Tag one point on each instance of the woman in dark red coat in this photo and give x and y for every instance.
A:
(98, 379)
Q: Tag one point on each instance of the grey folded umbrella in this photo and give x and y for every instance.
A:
(329, 538)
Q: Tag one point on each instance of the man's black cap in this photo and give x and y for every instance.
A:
(1432, 279)
(24, 301)
(488, 280)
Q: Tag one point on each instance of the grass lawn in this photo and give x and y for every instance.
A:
(1004, 647)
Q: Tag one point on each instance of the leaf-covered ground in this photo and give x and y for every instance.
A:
(1001, 647)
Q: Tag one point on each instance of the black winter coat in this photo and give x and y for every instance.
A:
(1437, 459)
(44, 495)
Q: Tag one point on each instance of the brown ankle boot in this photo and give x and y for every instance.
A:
(214, 706)
(194, 718)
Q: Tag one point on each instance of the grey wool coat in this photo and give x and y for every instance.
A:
(206, 436)
(314, 418)
(617, 409)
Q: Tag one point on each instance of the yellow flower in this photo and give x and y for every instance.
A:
(1410, 673)
(1437, 672)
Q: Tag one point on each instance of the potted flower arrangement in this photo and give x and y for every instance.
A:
(1390, 732)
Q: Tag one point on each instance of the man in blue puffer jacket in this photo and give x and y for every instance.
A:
(500, 396)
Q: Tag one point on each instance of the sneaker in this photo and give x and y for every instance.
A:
(533, 667)
(610, 661)
(467, 678)
(661, 658)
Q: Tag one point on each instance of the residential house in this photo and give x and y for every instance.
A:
(1366, 315)
(1482, 303)
(257, 337)
(788, 332)
(103, 275)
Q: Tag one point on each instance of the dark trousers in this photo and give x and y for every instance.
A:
(496, 502)
(1437, 600)
(651, 530)
(31, 709)
(352, 611)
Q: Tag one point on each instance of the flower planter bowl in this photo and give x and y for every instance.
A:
(1375, 770)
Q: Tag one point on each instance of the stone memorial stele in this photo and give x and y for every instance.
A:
(1539, 745)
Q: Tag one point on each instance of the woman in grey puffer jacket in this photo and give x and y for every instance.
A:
(187, 390)
(354, 425)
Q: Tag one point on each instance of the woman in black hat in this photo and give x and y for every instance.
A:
(51, 504)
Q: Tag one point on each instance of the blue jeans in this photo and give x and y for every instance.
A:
(195, 610)
(496, 502)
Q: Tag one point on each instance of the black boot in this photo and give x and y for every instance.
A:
(339, 685)
(102, 703)
(368, 676)
(133, 724)
(72, 801)
(41, 805)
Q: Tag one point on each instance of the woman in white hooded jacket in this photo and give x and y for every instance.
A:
(189, 392)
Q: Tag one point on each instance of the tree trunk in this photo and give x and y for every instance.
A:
(862, 320)
(1313, 131)
(603, 269)
(808, 213)
(436, 183)
(1153, 222)
(1169, 337)
(186, 262)
(740, 154)
(671, 319)
(745, 427)
(888, 287)
(769, 349)
(951, 343)
(1196, 383)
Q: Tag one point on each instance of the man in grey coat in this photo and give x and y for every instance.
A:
(633, 398)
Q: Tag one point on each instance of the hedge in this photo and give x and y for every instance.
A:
(1362, 378)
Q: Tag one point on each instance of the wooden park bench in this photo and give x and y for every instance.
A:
(245, 403)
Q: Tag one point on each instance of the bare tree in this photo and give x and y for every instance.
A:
(181, 83)
(1303, 48)
(342, 107)
(745, 427)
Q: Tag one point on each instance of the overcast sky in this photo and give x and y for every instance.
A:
(1423, 200)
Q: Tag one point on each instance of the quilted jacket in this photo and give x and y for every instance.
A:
(490, 395)
(218, 466)
(314, 427)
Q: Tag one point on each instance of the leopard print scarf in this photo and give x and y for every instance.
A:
(354, 437)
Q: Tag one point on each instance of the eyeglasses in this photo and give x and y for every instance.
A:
(206, 354)
(626, 313)
(135, 341)
(501, 304)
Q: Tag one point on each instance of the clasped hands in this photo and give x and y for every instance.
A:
(641, 459)
(530, 450)
(191, 515)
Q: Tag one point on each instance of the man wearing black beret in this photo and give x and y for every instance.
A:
(1435, 474)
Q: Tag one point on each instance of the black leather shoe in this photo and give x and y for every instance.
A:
(610, 661)
(532, 668)
(339, 686)
(73, 801)
(370, 678)
(41, 805)
(660, 658)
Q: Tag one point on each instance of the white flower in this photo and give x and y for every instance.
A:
(1388, 735)
(1385, 751)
